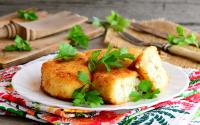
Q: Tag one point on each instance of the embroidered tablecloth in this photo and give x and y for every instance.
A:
(182, 110)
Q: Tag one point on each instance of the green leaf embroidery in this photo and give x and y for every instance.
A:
(194, 81)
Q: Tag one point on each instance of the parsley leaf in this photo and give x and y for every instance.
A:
(182, 39)
(96, 21)
(83, 77)
(78, 37)
(145, 86)
(115, 21)
(144, 91)
(79, 97)
(135, 96)
(93, 60)
(20, 45)
(93, 98)
(66, 52)
(111, 58)
(27, 14)
(83, 95)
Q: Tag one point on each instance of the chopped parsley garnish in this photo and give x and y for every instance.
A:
(83, 95)
(115, 21)
(20, 45)
(83, 77)
(78, 37)
(111, 58)
(144, 91)
(182, 38)
(93, 61)
(27, 14)
(66, 52)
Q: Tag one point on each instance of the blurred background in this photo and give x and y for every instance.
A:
(186, 12)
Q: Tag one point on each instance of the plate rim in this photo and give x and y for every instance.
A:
(97, 108)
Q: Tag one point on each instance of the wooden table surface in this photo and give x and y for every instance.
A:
(185, 12)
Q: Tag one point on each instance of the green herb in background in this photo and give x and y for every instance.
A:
(111, 58)
(66, 52)
(115, 21)
(144, 91)
(27, 14)
(96, 21)
(20, 45)
(182, 38)
(83, 95)
(78, 37)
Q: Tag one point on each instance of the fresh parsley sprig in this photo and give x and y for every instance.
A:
(182, 38)
(111, 58)
(20, 45)
(78, 37)
(144, 91)
(115, 21)
(93, 61)
(83, 95)
(27, 14)
(66, 52)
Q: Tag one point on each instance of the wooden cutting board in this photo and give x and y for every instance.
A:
(42, 46)
(15, 18)
(158, 24)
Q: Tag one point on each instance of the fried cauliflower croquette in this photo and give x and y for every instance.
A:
(116, 85)
(59, 78)
(149, 66)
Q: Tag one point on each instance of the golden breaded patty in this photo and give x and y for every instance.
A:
(116, 85)
(59, 79)
(149, 66)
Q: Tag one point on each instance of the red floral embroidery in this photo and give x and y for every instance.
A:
(194, 98)
(11, 98)
(195, 86)
(195, 75)
(8, 73)
(51, 118)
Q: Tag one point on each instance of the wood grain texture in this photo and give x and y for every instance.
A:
(41, 47)
(179, 11)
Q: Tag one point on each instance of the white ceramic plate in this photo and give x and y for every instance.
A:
(27, 83)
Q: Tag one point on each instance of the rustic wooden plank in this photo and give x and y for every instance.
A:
(14, 17)
(184, 12)
(96, 1)
(41, 47)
